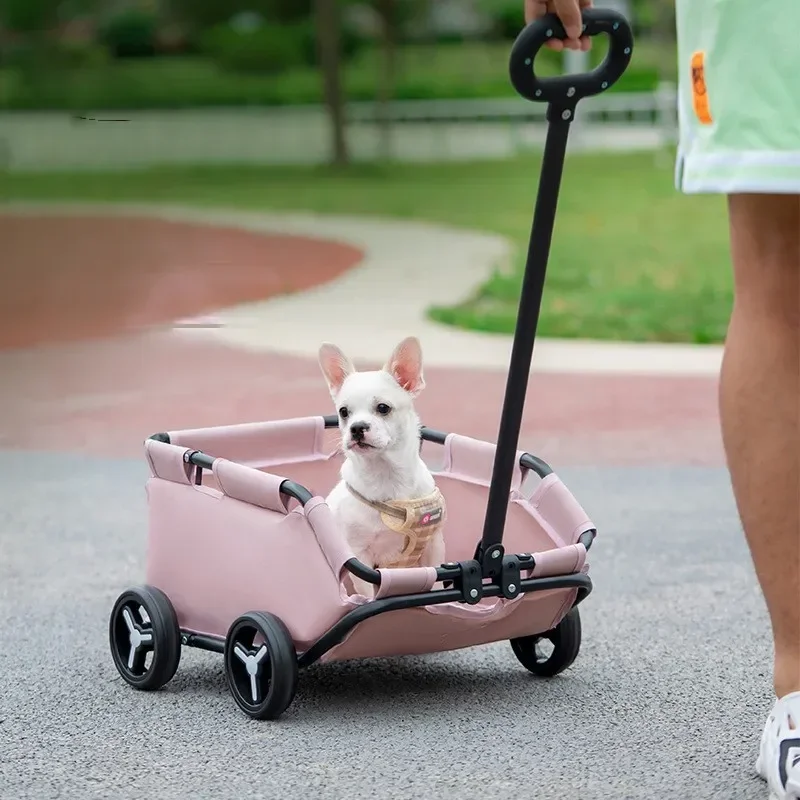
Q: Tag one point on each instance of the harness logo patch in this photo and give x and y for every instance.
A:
(431, 517)
(700, 89)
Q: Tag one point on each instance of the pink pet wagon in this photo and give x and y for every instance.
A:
(243, 555)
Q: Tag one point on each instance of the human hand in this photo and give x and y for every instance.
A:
(569, 12)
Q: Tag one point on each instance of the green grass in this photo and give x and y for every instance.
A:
(632, 259)
(441, 71)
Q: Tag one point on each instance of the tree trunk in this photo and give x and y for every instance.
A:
(386, 9)
(328, 43)
(664, 36)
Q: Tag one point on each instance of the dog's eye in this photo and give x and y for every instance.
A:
(382, 408)
(343, 412)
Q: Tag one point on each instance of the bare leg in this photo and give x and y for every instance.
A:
(760, 408)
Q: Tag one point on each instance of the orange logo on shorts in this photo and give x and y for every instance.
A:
(699, 89)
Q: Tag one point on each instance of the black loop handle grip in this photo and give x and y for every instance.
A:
(566, 90)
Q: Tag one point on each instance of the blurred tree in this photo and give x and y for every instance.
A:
(328, 27)
(201, 14)
(41, 16)
(325, 16)
(506, 17)
(36, 52)
(393, 16)
(664, 35)
(29, 17)
(387, 11)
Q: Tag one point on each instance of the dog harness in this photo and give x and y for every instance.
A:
(418, 520)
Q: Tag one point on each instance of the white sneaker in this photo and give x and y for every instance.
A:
(778, 760)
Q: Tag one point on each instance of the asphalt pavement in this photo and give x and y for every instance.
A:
(666, 699)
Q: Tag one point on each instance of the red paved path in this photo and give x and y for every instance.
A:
(105, 396)
(68, 278)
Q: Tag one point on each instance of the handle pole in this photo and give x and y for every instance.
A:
(561, 94)
(530, 302)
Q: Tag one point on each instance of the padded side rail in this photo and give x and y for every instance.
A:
(471, 460)
(250, 485)
(279, 441)
(286, 487)
(559, 508)
(174, 463)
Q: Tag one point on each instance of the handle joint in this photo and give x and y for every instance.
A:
(560, 112)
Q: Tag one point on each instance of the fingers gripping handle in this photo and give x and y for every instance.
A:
(566, 90)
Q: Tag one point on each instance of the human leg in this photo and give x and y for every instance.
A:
(760, 413)
(760, 408)
(740, 135)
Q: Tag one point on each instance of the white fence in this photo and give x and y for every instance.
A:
(423, 130)
(648, 108)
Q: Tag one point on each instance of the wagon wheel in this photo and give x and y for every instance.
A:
(262, 677)
(145, 637)
(548, 654)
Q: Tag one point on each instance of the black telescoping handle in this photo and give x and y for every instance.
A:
(561, 93)
(565, 90)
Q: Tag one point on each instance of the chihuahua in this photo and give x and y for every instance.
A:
(386, 502)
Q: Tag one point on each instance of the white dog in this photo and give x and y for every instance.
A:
(386, 502)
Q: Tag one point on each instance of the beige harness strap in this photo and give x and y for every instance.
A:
(418, 520)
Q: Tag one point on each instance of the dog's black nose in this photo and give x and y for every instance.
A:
(358, 429)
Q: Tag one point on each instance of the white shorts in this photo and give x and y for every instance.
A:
(738, 96)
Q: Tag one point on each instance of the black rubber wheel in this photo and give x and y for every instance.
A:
(565, 640)
(145, 638)
(262, 678)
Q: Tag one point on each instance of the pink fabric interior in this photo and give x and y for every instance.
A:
(257, 443)
(217, 556)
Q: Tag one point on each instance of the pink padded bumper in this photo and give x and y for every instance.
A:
(234, 543)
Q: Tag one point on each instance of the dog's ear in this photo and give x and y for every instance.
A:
(405, 365)
(336, 366)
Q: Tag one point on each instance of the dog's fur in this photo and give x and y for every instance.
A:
(382, 462)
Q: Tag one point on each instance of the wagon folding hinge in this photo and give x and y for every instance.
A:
(470, 581)
(510, 577)
(503, 570)
(198, 470)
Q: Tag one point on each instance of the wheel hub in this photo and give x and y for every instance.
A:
(138, 638)
(252, 664)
